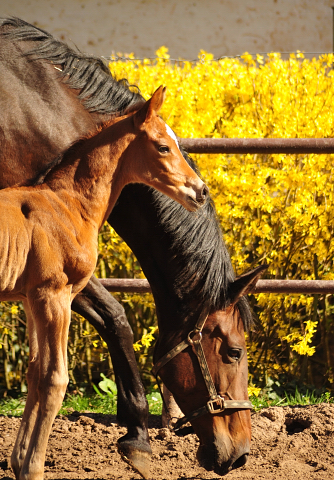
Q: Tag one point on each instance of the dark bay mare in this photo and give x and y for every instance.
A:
(49, 97)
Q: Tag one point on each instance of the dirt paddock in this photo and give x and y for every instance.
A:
(288, 443)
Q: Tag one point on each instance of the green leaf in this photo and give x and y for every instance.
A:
(108, 386)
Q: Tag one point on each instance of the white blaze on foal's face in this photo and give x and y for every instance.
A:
(171, 134)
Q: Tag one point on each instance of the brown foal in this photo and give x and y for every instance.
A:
(48, 250)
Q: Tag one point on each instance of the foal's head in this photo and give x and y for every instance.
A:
(158, 159)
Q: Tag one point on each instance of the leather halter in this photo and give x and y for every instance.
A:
(217, 403)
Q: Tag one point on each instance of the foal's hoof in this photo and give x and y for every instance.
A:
(139, 460)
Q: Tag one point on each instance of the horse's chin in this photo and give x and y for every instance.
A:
(221, 459)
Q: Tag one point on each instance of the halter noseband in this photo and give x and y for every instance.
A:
(217, 403)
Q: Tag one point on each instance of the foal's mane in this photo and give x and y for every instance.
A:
(99, 91)
(202, 266)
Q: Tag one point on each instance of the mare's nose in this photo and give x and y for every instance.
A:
(240, 461)
(202, 194)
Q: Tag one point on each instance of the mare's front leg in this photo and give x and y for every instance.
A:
(50, 311)
(108, 317)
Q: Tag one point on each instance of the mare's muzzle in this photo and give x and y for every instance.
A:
(212, 458)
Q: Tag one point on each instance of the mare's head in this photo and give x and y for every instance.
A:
(159, 161)
(225, 433)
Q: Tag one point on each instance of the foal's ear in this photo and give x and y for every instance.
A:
(151, 107)
(245, 283)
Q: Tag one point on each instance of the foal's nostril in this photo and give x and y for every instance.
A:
(205, 191)
(203, 194)
(241, 461)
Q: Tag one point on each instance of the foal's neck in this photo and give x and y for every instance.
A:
(94, 171)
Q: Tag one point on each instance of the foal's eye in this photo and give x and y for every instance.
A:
(234, 353)
(163, 149)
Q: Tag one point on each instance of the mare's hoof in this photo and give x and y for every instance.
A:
(139, 460)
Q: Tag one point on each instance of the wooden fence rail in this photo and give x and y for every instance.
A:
(258, 145)
(263, 286)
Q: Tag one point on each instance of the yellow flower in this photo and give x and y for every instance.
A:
(253, 391)
(302, 341)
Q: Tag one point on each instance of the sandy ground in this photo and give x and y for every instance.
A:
(288, 443)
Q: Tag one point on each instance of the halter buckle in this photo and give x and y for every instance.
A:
(193, 340)
(216, 405)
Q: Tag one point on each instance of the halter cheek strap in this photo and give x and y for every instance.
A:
(217, 403)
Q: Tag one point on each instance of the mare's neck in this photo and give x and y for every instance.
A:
(182, 254)
(94, 171)
(136, 220)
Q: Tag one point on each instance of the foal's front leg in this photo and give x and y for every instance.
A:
(31, 407)
(51, 316)
(109, 319)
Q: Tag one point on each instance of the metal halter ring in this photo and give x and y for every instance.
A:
(192, 340)
(216, 405)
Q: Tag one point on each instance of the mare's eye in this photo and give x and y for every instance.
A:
(163, 149)
(234, 353)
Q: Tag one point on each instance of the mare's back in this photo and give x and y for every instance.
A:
(50, 96)
(40, 116)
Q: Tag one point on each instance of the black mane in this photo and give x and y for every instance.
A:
(201, 263)
(99, 91)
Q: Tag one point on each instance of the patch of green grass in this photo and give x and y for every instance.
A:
(95, 403)
(271, 399)
(308, 398)
(89, 403)
(12, 406)
(154, 403)
(263, 401)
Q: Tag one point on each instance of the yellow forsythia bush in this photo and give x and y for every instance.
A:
(276, 209)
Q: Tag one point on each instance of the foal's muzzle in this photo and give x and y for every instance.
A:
(202, 195)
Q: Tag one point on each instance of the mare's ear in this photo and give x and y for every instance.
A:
(151, 107)
(245, 283)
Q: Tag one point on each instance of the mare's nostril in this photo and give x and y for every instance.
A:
(241, 461)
